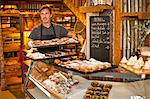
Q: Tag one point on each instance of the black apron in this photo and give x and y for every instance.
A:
(48, 48)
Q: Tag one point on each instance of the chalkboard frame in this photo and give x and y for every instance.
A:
(108, 13)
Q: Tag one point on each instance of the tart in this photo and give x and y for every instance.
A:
(124, 60)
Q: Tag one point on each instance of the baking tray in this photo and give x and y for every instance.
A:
(74, 71)
(47, 57)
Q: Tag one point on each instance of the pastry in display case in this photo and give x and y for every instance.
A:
(97, 91)
(136, 65)
(58, 83)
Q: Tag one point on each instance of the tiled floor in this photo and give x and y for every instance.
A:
(6, 95)
(13, 92)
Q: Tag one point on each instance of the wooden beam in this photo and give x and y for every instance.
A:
(117, 49)
(97, 8)
(139, 15)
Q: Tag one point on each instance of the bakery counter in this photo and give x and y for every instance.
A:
(45, 77)
(111, 74)
(128, 90)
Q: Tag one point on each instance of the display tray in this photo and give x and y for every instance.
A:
(50, 55)
(134, 70)
(47, 46)
(84, 66)
(85, 72)
(43, 88)
(53, 42)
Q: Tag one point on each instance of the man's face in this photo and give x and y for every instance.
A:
(45, 15)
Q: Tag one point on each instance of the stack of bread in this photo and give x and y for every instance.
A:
(136, 65)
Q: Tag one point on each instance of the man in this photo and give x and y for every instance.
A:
(47, 30)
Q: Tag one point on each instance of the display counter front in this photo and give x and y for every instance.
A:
(85, 89)
(130, 90)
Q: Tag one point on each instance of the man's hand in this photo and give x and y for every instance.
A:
(30, 43)
(69, 34)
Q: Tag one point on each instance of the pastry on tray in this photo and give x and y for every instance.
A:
(90, 65)
(132, 60)
(36, 55)
(53, 42)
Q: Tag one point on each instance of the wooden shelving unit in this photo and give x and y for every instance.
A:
(10, 25)
(11, 47)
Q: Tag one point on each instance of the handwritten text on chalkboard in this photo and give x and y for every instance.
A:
(100, 32)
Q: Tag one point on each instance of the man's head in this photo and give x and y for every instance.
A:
(45, 14)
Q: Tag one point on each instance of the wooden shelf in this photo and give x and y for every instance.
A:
(9, 15)
(145, 16)
(10, 32)
(139, 15)
(12, 58)
(55, 13)
(97, 8)
(29, 13)
(131, 14)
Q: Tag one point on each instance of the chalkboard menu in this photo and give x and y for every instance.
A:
(100, 37)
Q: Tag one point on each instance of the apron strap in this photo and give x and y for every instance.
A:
(41, 33)
(54, 29)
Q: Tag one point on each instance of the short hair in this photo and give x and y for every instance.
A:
(45, 7)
